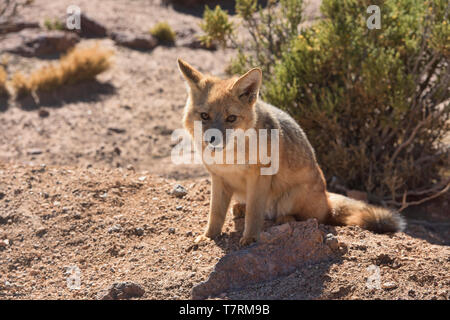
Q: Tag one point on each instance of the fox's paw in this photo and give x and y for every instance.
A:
(201, 238)
(238, 210)
(245, 241)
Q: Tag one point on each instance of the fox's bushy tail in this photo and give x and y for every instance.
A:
(346, 211)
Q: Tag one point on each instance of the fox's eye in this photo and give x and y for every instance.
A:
(204, 116)
(231, 118)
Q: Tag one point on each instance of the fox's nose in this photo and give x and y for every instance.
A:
(214, 139)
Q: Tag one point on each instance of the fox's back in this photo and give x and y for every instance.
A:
(294, 145)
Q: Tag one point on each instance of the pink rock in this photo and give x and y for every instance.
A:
(280, 251)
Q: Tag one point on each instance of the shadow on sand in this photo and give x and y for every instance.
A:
(197, 10)
(85, 92)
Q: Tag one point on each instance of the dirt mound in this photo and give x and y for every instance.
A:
(120, 226)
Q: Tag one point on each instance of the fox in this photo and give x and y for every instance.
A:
(297, 191)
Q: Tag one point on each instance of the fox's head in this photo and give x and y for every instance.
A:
(219, 104)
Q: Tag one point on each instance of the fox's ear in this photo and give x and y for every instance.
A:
(191, 75)
(247, 86)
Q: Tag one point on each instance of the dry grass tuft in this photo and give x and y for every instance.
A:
(79, 65)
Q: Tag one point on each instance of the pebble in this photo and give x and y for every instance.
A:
(332, 241)
(115, 228)
(389, 285)
(179, 191)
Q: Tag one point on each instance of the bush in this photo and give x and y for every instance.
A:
(80, 64)
(54, 24)
(374, 103)
(163, 32)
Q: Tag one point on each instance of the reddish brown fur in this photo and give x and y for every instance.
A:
(296, 191)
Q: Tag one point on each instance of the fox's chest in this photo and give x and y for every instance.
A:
(233, 175)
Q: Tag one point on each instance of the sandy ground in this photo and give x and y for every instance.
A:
(102, 201)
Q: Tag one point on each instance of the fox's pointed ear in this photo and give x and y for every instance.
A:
(192, 76)
(247, 86)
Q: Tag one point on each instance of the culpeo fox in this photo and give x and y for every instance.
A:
(296, 192)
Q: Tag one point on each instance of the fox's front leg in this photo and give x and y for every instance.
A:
(220, 200)
(258, 188)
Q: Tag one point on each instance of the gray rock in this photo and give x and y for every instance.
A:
(115, 228)
(138, 42)
(41, 43)
(121, 290)
(179, 191)
(16, 26)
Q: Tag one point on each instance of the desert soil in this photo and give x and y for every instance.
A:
(89, 186)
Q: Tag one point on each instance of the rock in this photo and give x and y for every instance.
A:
(2, 195)
(41, 231)
(178, 208)
(332, 241)
(89, 28)
(179, 191)
(115, 228)
(139, 231)
(389, 285)
(171, 230)
(138, 42)
(16, 26)
(43, 113)
(5, 218)
(357, 195)
(280, 251)
(116, 130)
(121, 290)
(34, 152)
(42, 43)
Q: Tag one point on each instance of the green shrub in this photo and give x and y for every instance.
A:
(53, 24)
(374, 103)
(163, 32)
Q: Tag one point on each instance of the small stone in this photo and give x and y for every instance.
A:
(2, 195)
(171, 230)
(139, 231)
(179, 208)
(34, 152)
(389, 285)
(142, 178)
(130, 167)
(115, 228)
(332, 241)
(43, 113)
(179, 191)
(121, 290)
(40, 232)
